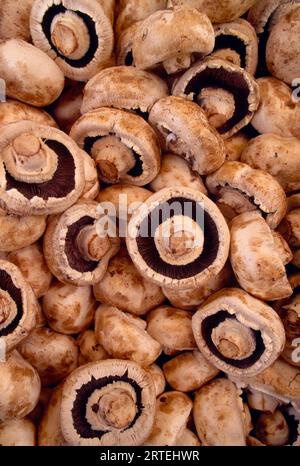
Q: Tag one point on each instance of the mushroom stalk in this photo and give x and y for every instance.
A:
(233, 339)
(116, 408)
(70, 35)
(218, 104)
(91, 245)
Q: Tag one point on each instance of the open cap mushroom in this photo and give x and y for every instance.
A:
(14, 19)
(18, 232)
(244, 189)
(42, 169)
(77, 34)
(90, 349)
(123, 145)
(123, 87)
(30, 75)
(17, 433)
(228, 94)
(108, 403)
(178, 238)
(181, 35)
(12, 111)
(132, 11)
(238, 333)
(77, 246)
(49, 431)
(123, 339)
(185, 131)
(258, 258)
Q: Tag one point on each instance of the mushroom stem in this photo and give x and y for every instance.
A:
(116, 408)
(28, 154)
(218, 104)
(113, 158)
(229, 55)
(233, 339)
(4, 309)
(91, 245)
(177, 63)
(70, 35)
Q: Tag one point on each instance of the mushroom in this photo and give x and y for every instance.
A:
(272, 429)
(178, 238)
(132, 11)
(261, 401)
(278, 112)
(53, 355)
(31, 263)
(241, 188)
(175, 171)
(237, 333)
(172, 328)
(14, 19)
(181, 35)
(123, 145)
(66, 109)
(108, 403)
(42, 170)
(235, 145)
(69, 309)
(123, 286)
(171, 416)
(290, 227)
(30, 75)
(124, 45)
(12, 111)
(219, 414)
(18, 232)
(17, 433)
(92, 186)
(228, 94)
(19, 387)
(188, 439)
(158, 378)
(184, 130)
(49, 431)
(189, 371)
(258, 258)
(124, 87)
(89, 348)
(77, 246)
(123, 339)
(76, 34)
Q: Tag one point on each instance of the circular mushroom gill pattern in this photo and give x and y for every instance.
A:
(150, 254)
(228, 41)
(90, 24)
(7, 285)
(62, 183)
(75, 259)
(212, 322)
(81, 425)
(233, 81)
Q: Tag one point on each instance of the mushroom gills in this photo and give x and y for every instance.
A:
(230, 42)
(10, 290)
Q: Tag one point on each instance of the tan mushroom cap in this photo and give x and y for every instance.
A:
(235, 145)
(89, 347)
(30, 75)
(124, 339)
(278, 112)
(49, 432)
(17, 232)
(218, 414)
(272, 429)
(108, 403)
(162, 38)
(124, 45)
(14, 19)
(77, 248)
(132, 11)
(123, 87)
(228, 94)
(12, 111)
(256, 260)
(180, 249)
(123, 145)
(158, 378)
(238, 333)
(245, 189)
(17, 433)
(76, 34)
(92, 185)
(184, 130)
(188, 439)
(290, 228)
(172, 413)
(66, 109)
(189, 371)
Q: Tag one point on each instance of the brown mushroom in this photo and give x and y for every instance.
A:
(66, 109)
(132, 11)
(18, 232)
(90, 349)
(12, 111)
(235, 145)
(17, 433)
(14, 19)
(261, 401)
(158, 378)
(92, 185)
(272, 429)
(124, 45)
(49, 431)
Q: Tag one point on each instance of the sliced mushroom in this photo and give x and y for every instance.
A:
(76, 34)
(123, 339)
(77, 247)
(69, 309)
(178, 238)
(238, 333)
(132, 11)
(66, 109)
(235, 145)
(257, 262)
(124, 87)
(158, 378)
(184, 130)
(244, 189)
(18, 232)
(49, 431)
(228, 94)
(189, 371)
(12, 111)
(30, 75)
(90, 349)
(123, 145)
(42, 171)
(108, 403)
(17, 433)
(181, 35)
(14, 19)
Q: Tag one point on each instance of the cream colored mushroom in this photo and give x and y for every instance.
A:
(12, 111)
(18, 232)
(17, 433)
(132, 11)
(14, 19)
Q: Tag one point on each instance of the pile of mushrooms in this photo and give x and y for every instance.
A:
(150, 223)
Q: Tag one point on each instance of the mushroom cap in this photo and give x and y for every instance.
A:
(92, 184)
(255, 259)
(258, 188)
(18, 232)
(61, 249)
(197, 215)
(272, 429)
(188, 439)
(88, 24)
(221, 74)
(12, 111)
(123, 87)
(33, 190)
(14, 19)
(260, 13)
(124, 45)
(132, 131)
(163, 36)
(66, 109)
(238, 333)
(30, 75)
(235, 145)
(17, 433)
(158, 378)
(49, 432)
(184, 130)
(89, 347)
(132, 11)
(82, 422)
